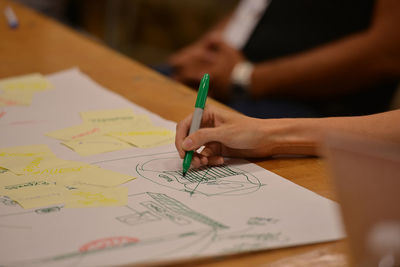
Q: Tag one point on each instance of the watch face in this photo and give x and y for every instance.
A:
(241, 76)
(239, 91)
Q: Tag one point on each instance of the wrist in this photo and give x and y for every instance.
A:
(241, 77)
(292, 136)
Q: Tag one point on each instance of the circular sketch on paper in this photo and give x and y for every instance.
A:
(210, 181)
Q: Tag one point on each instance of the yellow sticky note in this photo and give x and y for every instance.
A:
(152, 137)
(92, 176)
(75, 132)
(65, 172)
(54, 167)
(139, 122)
(39, 196)
(17, 158)
(89, 196)
(15, 98)
(26, 151)
(96, 145)
(32, 82)
(41, 164)
(100, 117)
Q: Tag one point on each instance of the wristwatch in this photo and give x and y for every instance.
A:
(241, 77)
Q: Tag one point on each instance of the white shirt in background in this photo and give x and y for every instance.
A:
(243, 22)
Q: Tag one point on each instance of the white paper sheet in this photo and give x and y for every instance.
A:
(211, 212)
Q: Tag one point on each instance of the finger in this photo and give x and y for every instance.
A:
(215, 160)
(196, 163)
(207, 152)
(182, 129)
(211, 149)
(203, 160)
(201, 137)
(210, 57)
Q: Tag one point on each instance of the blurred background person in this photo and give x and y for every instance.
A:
(299, 58)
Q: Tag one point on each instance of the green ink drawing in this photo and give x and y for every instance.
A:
(180, 208)
(261, 221)
(114, 119)
(8, 201)
(209, 181)
(48, 210)
(138, 218)
(163, 212)
(28, 184)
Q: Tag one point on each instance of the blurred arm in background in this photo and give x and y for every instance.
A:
(348, 64)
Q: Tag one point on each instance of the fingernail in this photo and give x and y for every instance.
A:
(187, 144)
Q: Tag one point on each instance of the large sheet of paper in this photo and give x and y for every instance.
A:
(215, 211)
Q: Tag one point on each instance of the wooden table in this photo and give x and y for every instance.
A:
(43, 45)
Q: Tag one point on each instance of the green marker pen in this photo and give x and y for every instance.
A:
(197, 115)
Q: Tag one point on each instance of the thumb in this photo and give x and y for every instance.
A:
(201, 137)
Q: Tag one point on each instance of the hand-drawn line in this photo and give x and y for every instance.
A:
(40, 211)
(209, 181)
(103, 243)
(7, 201)
(261, 221)
(207, 237)
(138, 218)
(165, 213)
(182, 209)
(202, 179)
(2, 114)
(249, 239)
(192, 192)
(48, 210)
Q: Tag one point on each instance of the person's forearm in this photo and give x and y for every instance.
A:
(333, 69)
(305, 136)
(384, 126)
